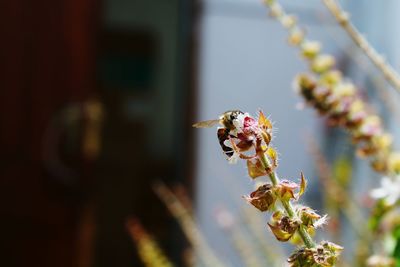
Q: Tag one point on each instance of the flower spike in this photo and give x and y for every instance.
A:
(245, 133)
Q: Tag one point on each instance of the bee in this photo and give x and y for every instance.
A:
(226, 120)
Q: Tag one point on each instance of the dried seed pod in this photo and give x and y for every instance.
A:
(255, 168)
(263, 198)
(282, 226)
(324, 254)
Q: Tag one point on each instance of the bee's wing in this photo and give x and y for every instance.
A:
(205, 124)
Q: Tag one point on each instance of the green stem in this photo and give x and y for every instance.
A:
(287, 205)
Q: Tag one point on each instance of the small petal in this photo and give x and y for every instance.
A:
(263, 121)
(273, 156)
(303, 185)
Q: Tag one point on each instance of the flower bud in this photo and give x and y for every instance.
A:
(344, 89)
(288, 21)
(296, 36)
(331, 77)
(275, 11)
(356, 113)
(286, 188)
(310, 49)
(304, 84)
(379, 165)
(369, 127)
(383, 141)
(394, 163)
(269, 2)
(322, 63)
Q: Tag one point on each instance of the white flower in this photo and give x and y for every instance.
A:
(389, 190)
(321, 221)
(234, 158)
(239, 122)
(379, 260)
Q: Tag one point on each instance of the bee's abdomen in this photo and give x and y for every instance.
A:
(223, 134)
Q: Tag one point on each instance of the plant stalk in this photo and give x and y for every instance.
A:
(287, 205)
(343, 20)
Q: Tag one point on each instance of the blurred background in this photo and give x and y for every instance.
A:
(98, 99)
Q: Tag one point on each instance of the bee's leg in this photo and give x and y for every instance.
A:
(237, 150)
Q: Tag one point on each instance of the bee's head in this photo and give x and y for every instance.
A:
(228, 117)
